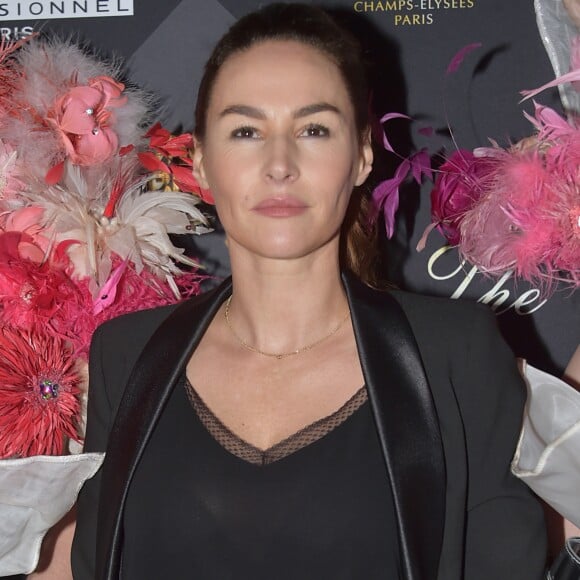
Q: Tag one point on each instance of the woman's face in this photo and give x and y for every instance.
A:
(281, 152)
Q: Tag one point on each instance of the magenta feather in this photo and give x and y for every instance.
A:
(459, 57)
(385, 196)
(387, 117)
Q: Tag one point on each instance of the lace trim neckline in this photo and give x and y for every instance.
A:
(302, 438)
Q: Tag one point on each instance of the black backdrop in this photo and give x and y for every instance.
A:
(410, 43)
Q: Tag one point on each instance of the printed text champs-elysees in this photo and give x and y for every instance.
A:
(412, 12)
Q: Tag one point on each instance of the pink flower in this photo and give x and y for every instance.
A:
(33, 245)
(457, 187)
(84, 118)
(39, 394)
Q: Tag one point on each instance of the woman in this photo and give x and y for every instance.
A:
(294, 422)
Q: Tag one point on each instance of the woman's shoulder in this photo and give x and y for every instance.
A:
(441, 325)
(459, 340)
(444, 314)
(436, 304)
(422, 310)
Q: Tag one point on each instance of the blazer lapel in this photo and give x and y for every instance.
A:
(159, 367)
(406, 422)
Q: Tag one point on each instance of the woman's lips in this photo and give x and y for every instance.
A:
(280, 207)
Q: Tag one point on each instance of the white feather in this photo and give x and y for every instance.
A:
(139, 231)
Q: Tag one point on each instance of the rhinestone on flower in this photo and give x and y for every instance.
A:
(48, 389)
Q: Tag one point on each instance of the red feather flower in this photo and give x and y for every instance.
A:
(33, 294)
(39, 394)
(170, 156)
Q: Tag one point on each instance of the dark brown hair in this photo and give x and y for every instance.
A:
(314, 27)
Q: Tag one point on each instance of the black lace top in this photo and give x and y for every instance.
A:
(205, 504)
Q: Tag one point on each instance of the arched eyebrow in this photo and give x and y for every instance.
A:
(315, 108)
(245, 111)
(255, 113)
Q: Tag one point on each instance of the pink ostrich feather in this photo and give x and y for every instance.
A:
(138, 291)
(522, 222)
(39, 394)
(493, 228)
(564, 164)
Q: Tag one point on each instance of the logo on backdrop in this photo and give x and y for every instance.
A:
(412, 12)
(499, 297)
(15, 32)
(32, 10)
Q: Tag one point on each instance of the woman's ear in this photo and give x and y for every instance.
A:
(366, 158)
(198, 169)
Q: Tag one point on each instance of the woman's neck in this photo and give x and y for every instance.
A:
(279, 306)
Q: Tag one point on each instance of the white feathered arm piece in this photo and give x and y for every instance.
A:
(547, 457)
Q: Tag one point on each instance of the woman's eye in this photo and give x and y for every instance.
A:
(245, 133)
(315, 130)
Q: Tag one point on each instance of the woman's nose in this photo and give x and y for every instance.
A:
(281, 162)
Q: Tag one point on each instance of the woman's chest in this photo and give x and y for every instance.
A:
(266, 400)
(323, 510)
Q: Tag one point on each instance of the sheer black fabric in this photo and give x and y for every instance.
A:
(302, 438)
(319, 507)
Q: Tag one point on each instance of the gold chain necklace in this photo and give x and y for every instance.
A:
(280, 355)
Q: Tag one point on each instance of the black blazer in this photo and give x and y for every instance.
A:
(447, 401)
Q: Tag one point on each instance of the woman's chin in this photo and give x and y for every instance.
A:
(286, 251)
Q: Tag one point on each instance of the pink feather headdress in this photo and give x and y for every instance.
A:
(89, 200)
